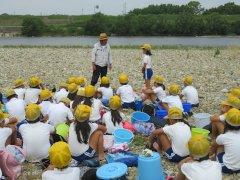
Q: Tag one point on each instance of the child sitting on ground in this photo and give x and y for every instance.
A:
(19, 88)
(113, 119)
(158, 90)
(189, 92)
(62, 93)
(46, 101)
(35, 135)
(228, 144)
(32, 93)
(173, 100)
(198, 166)
(94, 103)
(85, 138)
(72, 91)
(172, 139)
(125, 91)
(105, 90)
(60, 157)
(79, 98)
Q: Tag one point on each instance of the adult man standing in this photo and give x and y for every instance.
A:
(101, 58)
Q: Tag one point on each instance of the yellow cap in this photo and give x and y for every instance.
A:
(1, 116)
(82, 113)
(34, 81)
(72, 88)
(235, 92)
(60, 155)
(81, 92)
(233, 101)
(146, 47)
(198, 146)
(123, 78)
(32, 111)
(10, 92)
(174, 89)
(66, 100)
(18, 82)
(103, 36)
(158, 79)
(90, 91)
(71, 80)
(188, 80)
(45, 94)
(175, 113)
(105, 80)
(115, 102)
(233, 117)
(80, 80)
(63, 85)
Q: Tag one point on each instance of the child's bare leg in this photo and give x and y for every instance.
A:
(217, 128)
(147, 82)
(96, 142)
(164, 142)
(180, 176)
(220, 149)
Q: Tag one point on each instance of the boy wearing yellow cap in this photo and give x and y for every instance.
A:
(172, 139)
(228, 154)
(198, 166)
(147, 64)
(60, 113)
(19, 88)
(105, 89)
(173, 100)
(189, 92)
(61, 93)
(85, 138)
(46, 101)
(15, 107)
(32, 93)
(113, 119)
(125, 91)
(60, 157)
(35, 134)
(72, 91)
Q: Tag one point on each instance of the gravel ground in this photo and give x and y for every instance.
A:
(213, 74)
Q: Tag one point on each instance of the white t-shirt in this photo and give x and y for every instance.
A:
(16, 108)
(70, 173)
(160, 93)
(179, 134)
(77, 148)
(45, 105)
(202, 170)
(106, 92)
(20, 92)
(4, 134)
(96, 107)
(31, 95)
(62, 93)
(222, 117)
(107, 119)
(59, 113)
(126, 93)
(36, 140)
(190, 94)
(173, 101)
(231, 142)
(147, 60)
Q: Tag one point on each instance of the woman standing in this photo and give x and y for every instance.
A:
(147, 64)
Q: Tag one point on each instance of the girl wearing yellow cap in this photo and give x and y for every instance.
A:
(113, 119)
(85, 138)
(46, 101)
(189, 92)
(198, 166)
(147, 64)
(228, 144)
(105, 90)
(32, 93)
(19, 88)
(72, 91)
(172, 139)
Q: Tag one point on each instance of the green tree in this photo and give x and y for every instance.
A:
(96, 25)
(217, 24)
(194, 7)
(32, 26)
(237, 27)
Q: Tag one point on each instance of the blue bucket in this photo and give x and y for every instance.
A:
(187, 107)
(161, 113)
(138, 105)
(123, 136)
(140, 116)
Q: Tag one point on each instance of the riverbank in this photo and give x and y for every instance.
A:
(214, 72)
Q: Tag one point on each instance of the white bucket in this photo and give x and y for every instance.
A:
(202, 119)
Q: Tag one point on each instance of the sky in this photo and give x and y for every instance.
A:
(78, 7)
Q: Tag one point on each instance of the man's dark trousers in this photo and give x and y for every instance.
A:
(99, 71)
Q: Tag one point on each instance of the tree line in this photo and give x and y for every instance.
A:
(155, 20)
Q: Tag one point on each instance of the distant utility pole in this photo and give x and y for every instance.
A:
(124, 7)
(82, 11)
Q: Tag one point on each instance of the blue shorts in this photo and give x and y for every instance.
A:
(129, 105)
(148, 74)
(224, 167)
(172, 157)
(89, 154)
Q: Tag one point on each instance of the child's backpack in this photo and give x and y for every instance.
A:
(11, 159)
